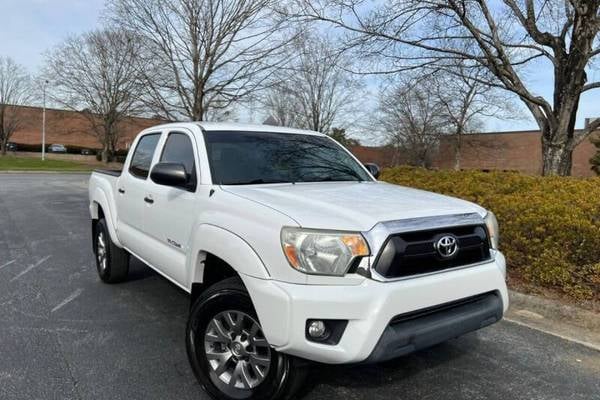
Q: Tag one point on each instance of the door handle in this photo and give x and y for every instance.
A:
(122, 191)
(148, 200)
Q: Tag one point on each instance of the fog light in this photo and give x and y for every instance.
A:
(317, 329)
(325, 331)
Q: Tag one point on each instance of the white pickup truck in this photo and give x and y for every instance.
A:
(291, 251)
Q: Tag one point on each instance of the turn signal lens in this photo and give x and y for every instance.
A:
(356, 244)
(290, 253)
(492, 226)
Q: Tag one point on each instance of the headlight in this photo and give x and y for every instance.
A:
(322, 252)
(492, 226)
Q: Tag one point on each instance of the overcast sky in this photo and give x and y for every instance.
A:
(30, 27)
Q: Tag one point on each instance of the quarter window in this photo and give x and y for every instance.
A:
(142, 157)
(178, 149)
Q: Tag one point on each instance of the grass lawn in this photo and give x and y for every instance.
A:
(12, 163)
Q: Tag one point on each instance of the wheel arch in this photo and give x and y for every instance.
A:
(100, 208)
(215, 270)
(217, 248)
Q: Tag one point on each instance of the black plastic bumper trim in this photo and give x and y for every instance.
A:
(407, 333)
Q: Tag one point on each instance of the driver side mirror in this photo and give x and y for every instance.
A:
(170, 174)
(373, 169)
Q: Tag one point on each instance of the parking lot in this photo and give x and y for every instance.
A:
(65, 335)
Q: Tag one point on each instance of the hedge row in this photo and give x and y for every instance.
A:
(549, 226)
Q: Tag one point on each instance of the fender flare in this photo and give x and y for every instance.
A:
(226, 245)
(100, 199)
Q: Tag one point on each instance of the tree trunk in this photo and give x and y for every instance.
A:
(558, 131)
(108, 137)
(106, 149)
(457, 152)
(105, 153)
(557, 159)
(3, 139)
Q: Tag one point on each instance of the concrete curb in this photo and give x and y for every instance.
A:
(549, 316)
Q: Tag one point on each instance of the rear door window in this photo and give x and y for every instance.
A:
(142, 157)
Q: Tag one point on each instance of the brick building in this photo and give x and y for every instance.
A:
(70, 128)
(507, 151)
(514, 151)
(382, 156)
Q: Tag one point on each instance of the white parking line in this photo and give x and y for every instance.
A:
(32, 266)
(69, 299)
(7, 264)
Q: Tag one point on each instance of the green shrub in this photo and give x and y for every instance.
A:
(549, 226)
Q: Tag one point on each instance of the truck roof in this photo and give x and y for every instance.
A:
(238, 127)
(227, 126)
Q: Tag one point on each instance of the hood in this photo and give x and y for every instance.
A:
(353, 206)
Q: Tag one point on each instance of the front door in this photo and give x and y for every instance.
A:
(170, 219)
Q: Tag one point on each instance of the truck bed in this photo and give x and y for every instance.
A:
(111, 172)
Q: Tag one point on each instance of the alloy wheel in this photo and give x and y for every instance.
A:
(236, 350)
(101, 251)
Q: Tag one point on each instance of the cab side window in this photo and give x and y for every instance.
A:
(178, 149)
(142, 157)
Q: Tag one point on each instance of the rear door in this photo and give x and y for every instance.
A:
(132, 189)
(170, 219)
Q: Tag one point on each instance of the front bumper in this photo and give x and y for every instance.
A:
(284, 308)
(424, 328)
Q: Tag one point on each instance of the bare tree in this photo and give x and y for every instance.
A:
(314, 90)
(205, 55)
(97, 74)
(15, 91)
(508, 38)
(413, 119)
(281, 105)
(466, 100)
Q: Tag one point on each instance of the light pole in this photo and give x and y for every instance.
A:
(44, 120)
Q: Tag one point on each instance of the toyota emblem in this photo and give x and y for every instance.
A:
(447, 246)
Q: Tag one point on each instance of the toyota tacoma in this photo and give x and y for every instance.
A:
(292, 251)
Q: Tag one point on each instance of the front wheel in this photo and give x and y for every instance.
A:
(229, 353)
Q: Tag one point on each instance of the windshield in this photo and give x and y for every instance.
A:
(245, 158)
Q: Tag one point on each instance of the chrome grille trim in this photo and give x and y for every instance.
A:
(377, 236)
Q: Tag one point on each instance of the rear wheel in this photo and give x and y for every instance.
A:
(112, 262)
(229, 353)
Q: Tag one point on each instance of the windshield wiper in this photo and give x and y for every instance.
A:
(255, 182)
(331, 179)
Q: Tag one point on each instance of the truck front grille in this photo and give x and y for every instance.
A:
(415, 253)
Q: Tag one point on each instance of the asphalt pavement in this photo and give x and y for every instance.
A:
(66, 335)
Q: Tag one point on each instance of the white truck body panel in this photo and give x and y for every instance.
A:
(351, 206)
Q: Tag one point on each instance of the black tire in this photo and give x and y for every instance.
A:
(285, 374)
(112, 262)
